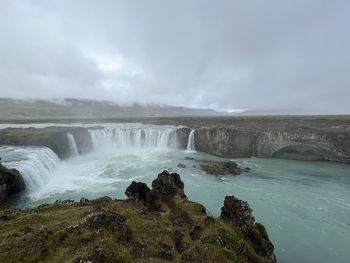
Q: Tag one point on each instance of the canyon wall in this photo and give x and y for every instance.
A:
(291, 143)
(53, 137)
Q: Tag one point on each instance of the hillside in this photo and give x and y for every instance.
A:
(79, 108)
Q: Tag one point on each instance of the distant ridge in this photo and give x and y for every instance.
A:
(82, 108)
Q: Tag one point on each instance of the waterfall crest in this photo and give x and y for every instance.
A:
(34, 163)
(135, 137)
(190, 143)
(72, 145)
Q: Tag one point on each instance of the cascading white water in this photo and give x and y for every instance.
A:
(34, 163)
(72, 145)
(148, 137)
(190, 143)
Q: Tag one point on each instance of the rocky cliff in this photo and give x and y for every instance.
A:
(331, 144)
(53, 137)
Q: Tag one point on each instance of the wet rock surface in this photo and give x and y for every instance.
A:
(220, 168)
(11, 182)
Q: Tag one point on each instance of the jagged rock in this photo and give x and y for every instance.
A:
(137, 191)
(261, 242)
(164, 187)
(181, 165)
(239, 212)
(11, 182)
(167, 185)
(220, 168)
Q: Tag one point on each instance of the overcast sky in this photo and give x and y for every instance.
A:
(256, 55)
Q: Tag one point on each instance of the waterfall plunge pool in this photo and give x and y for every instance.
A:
(304, 205)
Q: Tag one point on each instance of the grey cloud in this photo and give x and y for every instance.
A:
(221, 54)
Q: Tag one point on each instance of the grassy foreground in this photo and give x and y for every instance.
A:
(106, 230)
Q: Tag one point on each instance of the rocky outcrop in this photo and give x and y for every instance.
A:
(220, 168)
(54, 138)
(106, 230)
(240, 213)
(11, 182)
(331, 144)
(166, 185)
(137, 191)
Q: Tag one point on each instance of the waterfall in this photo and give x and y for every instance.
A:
(34, 163)
(72, 145)
(147, 137)
(190, 143)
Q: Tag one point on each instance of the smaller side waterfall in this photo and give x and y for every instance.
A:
(72, 145)
(191, 141)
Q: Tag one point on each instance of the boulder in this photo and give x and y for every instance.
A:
(167, 185)
(137, 191)
(220, 168)
(239, 212)
(11, 182)
(164, 188)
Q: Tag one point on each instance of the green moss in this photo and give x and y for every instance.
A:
(146, 236)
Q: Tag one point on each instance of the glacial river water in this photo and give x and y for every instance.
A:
(304, 205)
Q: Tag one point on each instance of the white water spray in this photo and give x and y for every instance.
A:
(134, 137)
(34, 163)
(72, 145)
(191, 142)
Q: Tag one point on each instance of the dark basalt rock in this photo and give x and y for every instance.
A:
(167, 185)
(240, 213)
(11, 182)
(164, 188)
(137, 191)
(220, 168)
